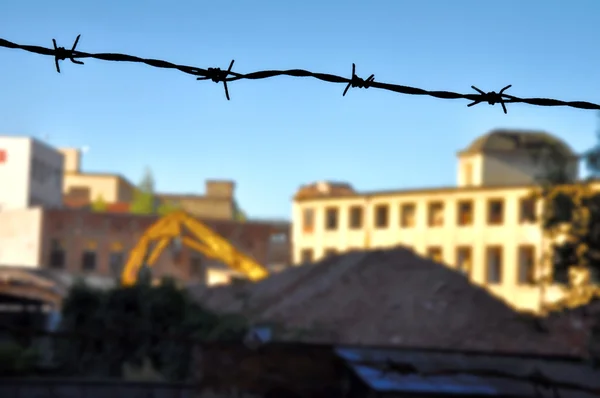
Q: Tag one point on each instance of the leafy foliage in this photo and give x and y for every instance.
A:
(238, 213)
(16, 359)
(570, 216)
(138, 324)
(167, 208)
(144, 201)
(99, 205)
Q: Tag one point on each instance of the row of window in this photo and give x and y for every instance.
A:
(408, 211)
(89, 259)
(494, 262)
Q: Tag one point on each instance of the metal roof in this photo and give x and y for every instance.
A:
(389, 370)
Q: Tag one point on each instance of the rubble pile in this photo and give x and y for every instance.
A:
(386, 297)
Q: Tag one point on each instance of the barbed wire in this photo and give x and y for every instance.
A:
(218, 75)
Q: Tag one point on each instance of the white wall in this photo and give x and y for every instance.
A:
(475, 162)
(14, 172)
(30, 175)
(21, 237)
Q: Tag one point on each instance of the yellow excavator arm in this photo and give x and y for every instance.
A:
(204, 240)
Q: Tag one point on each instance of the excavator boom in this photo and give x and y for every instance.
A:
(203, 239)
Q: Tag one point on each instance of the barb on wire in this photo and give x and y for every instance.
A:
(491, 98)
(61, 53)
(217, 75)
(356, 81)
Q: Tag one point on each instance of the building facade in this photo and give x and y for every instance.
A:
(218, 201)
(80, 188)
(485, 227)
(30, 172)
(97, 245)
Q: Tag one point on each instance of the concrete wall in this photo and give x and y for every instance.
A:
(106, 186)
(72, 158)
(479, 236)
(21, 237)
(15, 154)
(470, 170)
(30, 174)
(46, 176)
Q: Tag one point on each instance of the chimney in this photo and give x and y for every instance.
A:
(72, 160)
(222, 189)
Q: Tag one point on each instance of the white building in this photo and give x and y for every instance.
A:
(31, 174)
(31, 177)
(482, 227)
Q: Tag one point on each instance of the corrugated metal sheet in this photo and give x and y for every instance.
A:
(393, 370)
(394, 382)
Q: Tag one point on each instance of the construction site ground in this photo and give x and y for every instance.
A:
(391, 297)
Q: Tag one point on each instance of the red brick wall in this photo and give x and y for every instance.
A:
(75, 228)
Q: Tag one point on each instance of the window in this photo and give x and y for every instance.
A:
(526, 263)
(494, 265)
(356, 217)
(196, 269)
(408, 213)
(465, 213)
(82, 194)
(116, 258)
(88, 257)
(279, 237)
(331, 218)
(116, 262)
(527, 210)
(306, 256)
(468, 174)
(57, 254)
(495, 212)
(381, 216)
(330, 252)
(435, 254)
(308, 220)
(435, 217)
(464, 258)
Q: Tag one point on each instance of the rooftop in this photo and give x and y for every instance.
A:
(505, 140)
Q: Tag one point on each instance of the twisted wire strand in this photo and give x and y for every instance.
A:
(218, 75)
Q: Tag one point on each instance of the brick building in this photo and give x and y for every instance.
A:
(82, 242)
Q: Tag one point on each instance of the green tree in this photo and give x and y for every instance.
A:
(144, 201)
(99, 205)
(239, 214)
(137, 325)
(167, 208)
(571, 212)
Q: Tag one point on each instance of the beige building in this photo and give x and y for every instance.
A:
(483, 227)
(218, 201)
(80, 189)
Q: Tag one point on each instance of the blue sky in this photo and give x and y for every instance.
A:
(277, 134)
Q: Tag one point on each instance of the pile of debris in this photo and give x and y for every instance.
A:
(386, 297)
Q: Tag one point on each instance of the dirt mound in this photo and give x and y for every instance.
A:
(385, 297)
